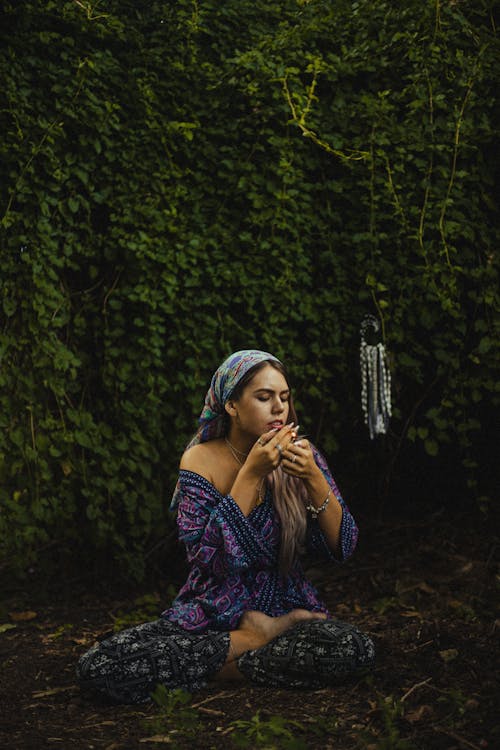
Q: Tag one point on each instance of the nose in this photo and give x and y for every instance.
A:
(278, 406)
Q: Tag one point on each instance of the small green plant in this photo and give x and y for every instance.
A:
(386, 603)
(273, 733)
(323, 726)
(392, 711)
(389, 738)
(175, 715)
(146, 608)
(61, 630)
(454, 701)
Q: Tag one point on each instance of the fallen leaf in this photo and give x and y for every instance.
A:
(158, 738)
(422, 712)
(62, 630)
(82, 641)
(471, 704)
(448, 654)
(20, 616)
(411, 613)
(6, 626)
(455, 603)
(423, 586)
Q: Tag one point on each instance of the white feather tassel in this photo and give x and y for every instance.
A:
(375, 381)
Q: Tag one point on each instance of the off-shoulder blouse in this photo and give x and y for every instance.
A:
(233, 558)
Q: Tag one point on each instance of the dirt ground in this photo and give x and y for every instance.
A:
(425, 592)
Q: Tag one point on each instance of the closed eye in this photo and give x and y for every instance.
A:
(265, 395)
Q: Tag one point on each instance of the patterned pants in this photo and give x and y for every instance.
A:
(127, 666)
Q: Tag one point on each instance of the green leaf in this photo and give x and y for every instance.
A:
(431, 447)
(6, 626)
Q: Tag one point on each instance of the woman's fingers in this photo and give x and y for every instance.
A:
(266, 438)
(273, 444)
(296, 457)
(298, 449)
(278, 447)
(274, 438)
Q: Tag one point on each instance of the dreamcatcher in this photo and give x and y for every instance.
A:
(375, 381)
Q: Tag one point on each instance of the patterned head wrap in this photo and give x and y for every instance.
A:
(224, 381)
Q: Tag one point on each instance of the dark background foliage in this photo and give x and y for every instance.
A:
(180, 180)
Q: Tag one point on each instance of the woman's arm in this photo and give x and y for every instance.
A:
(334, 522)
(263, 458)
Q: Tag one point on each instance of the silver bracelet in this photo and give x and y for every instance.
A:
(316, 511)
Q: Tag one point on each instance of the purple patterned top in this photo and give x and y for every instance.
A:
(234, 558)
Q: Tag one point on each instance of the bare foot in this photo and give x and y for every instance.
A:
(255, 630)
(262, 628)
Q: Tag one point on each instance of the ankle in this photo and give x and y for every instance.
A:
(254, 638)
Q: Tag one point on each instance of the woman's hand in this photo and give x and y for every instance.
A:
(269, 449)
(298, 460)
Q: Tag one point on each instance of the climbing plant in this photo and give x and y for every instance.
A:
(180, 180)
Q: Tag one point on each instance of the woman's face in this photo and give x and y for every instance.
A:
(264, 403)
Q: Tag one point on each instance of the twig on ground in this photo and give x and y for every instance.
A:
(222, 694)
(54, 691)
(421, 645)
(211, 711)
(415, 687)
(457, 737)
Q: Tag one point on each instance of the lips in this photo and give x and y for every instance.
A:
(277, 423)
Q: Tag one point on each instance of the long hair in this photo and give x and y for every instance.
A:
(289, 493)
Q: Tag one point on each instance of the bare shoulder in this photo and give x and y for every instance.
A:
(200, 459)
(211, 461)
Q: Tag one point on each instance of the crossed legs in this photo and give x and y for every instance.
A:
(300, 649)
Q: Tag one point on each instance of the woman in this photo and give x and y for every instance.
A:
(252, 495)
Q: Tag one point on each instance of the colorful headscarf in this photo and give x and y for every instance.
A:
(224, 381)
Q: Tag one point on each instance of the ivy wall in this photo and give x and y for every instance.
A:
(180, 180)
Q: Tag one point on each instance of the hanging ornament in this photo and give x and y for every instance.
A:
(375, 381)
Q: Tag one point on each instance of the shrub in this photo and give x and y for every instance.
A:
(182, 180)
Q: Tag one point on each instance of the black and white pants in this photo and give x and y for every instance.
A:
(127, 666)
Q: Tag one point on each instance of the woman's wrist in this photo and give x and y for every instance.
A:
(250, 474)
(315, 510)
(318, 490)
(315, 480)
